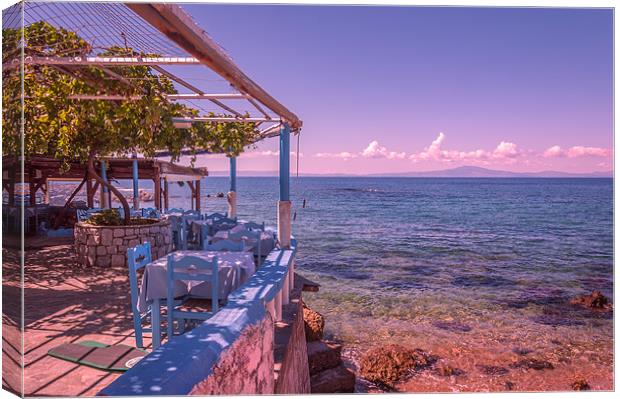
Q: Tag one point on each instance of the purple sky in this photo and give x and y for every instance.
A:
(392, 89)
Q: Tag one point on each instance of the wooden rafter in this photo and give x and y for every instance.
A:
(98, 61)
(173, 22)
(193, 88)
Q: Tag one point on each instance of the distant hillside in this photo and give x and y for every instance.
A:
(463, 171)
(475, 171)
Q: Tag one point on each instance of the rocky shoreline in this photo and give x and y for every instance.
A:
(399, 368)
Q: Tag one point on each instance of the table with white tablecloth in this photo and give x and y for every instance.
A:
(197, 227)
(235, 268)
(267, 240)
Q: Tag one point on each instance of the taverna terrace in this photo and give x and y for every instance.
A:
(101, 298)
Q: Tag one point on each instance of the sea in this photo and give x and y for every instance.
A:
(478, 272)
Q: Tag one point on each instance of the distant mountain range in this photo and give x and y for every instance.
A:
(475, 171)
(463, 171)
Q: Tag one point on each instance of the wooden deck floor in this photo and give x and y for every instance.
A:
(64, 302)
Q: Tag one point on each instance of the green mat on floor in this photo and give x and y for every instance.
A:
(98, 355)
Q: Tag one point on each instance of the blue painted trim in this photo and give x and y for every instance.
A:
(104, 176)
(176, 367)
(285, 162)
(135, 178)
(233, 174)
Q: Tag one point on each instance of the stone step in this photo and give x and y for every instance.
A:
(335, 380)
(322, 356)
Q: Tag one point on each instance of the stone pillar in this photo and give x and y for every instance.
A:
(232, 204)
(284, 223)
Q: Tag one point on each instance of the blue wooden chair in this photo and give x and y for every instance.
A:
(83, 214)
(224, 245)
(192, 214)
(179, 232)
(222, 224)
(150, 213)
(251, 226)
(190, 268)
(216, 215)
(137, 258)
(244, 235)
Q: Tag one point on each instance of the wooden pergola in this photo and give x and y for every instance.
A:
(167, 39)
(40, 171)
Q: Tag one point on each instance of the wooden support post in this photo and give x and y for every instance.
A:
(193, 191)
(157, 190)
(198, 195)
(77, 190)
(90, 193)
(46, 191)
(32, 188)
(166, 195)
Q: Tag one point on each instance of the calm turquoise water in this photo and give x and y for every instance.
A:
(497, 239)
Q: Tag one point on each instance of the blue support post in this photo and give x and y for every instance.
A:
(104, 189)
(285, 162)
(136, 194)
(233, 174)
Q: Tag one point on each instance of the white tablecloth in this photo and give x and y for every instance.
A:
(196, 226)
(267, 241)
(235, 269)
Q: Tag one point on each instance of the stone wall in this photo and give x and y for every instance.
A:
(106, 246)
(291, 355)
(246, 367)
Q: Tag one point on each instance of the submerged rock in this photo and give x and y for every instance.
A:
(535, 364)
(580, 385)
(596, 300)
(334, 380)
(446, 370)
(521, 351)
(322, 356)
(492, 370)
(387, 364)
(453, 326)
(314, 323)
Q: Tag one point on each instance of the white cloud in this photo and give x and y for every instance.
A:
(506, 150)
(376, 150)
(554, 152)
(342, 155)
(576, 151)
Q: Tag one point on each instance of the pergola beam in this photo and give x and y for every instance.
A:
(220, 119)
(173, 22)
(206, 96)
(194, 89)
(168, 96)
(95, 61)
(107, 97)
